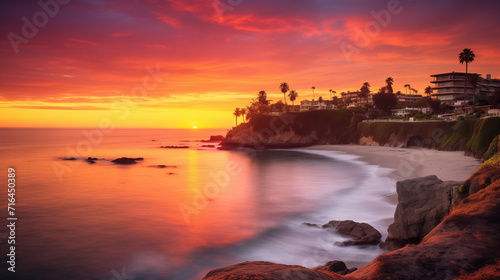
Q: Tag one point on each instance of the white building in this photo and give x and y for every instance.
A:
(306, 105)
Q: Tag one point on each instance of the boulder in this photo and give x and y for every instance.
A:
(361, 233)
(338, 267)
(422, 204)
(466, 243)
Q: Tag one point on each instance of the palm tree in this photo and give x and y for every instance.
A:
(313, 88)
(284, 88)
(262, 97)
(365, 91)
(243, 112)
(331, 91)
(293, 95)
(466, 56)
(407, 86)
(237, 113)
(389, 81)
(474, 81)
(428, 91)
(320, 99)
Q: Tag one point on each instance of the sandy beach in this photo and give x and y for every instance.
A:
(412, 162)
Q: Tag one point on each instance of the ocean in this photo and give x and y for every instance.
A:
(178, 213)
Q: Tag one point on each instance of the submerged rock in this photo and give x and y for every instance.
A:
(163, 166)
(361, 233)
(126, 160)
(215, 138)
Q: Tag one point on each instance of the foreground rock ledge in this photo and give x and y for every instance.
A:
(465, 244)
(267, 270)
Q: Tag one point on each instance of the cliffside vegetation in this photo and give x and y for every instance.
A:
(471, 136)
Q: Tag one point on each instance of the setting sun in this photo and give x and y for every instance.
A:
(195, 127)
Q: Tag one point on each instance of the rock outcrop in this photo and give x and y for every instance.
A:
(422, 204)
(361, 233)
(465, 244)
(466, 241)
(338, 267)
(268, 271)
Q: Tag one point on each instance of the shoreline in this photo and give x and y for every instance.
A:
(409, 163)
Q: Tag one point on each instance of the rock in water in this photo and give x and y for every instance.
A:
(361, 233)
(125, 160)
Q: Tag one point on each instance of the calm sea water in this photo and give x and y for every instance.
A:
(207, 209)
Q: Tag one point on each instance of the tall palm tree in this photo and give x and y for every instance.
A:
(331, 91)
(237, 113)
(389, 81)
(243, 112)
(407, 86)
(466, 56)
(284, 88)
(313, 88)
(293, 95)
(320, 100)
(428, 91)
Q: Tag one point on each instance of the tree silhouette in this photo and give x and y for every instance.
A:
(474, 81)
(466, 56)
(293, 95)
(313, 88)
(237, 113)
(384, 100)
(320, 100)
(284, 88)
(428, 91)
(262, 97)
(364, 91)
(389, 81)
(243, 112)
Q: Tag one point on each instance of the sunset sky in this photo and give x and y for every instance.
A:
(180, 63)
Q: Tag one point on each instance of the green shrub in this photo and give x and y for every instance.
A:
(492, 149)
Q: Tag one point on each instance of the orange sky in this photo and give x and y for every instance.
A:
(176, 64)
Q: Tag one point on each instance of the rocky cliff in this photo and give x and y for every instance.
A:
(297, 129)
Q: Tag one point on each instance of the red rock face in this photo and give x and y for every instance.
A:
(268, 271)
(465, 244)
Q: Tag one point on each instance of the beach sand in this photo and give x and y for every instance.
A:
(411, 163)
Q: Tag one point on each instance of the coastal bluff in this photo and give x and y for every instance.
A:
(299, 129)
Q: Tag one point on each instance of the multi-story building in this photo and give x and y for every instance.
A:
(352, 98)
(407, 99)
(449, 87)
(306, 105)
